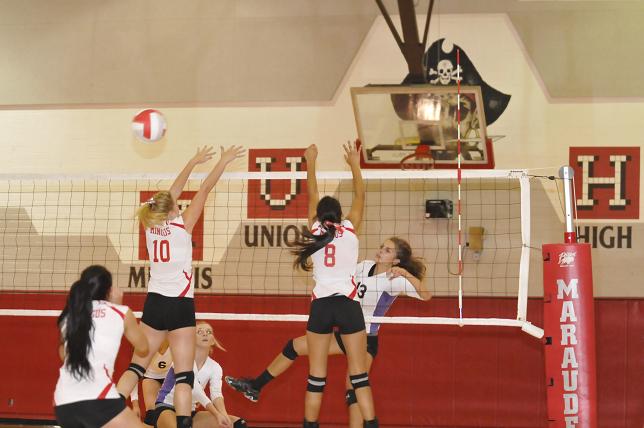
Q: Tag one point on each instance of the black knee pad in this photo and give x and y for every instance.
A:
(185, 377)
(184, 421)
(137, 369)
(371, 424)
(359, 381)
(307, 424)
(289, 351)
(315, 384)
(350, 397)
(149, 418)
(240, 423)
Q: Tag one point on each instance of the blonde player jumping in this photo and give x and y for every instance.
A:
(169, 309)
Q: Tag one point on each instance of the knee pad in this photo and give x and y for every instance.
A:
(350, 396)
(240, 423)
(184, 421)
(371, 424)
(307, 424)
(315, 384)
(289, 351)
(359, 381)
(137, 369)
(185, 377)
(150, 418)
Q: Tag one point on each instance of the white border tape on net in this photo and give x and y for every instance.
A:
(366, 174)
(500, 322)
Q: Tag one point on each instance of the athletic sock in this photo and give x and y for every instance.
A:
(260, 381)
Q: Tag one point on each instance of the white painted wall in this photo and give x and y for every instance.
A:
(537, 132)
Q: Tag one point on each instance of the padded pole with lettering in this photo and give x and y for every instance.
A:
(569, 325)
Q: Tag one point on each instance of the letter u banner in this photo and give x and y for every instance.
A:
(569, 325)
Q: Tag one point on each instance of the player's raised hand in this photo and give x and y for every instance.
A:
(231, 153)
(351, 154)
(311, 153)
(204, 154)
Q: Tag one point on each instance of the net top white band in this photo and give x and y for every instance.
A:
(367, 175)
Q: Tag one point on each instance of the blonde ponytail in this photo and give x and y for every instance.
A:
(155, 211)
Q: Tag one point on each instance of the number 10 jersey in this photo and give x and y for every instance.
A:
(170, 252)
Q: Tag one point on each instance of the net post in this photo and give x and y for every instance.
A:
(569, 324)
(567, 174)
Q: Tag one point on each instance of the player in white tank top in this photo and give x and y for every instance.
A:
(169, 307)
(333, 250)
(393, 272)
(335, 264)
(170, 248)
(85, 394)
(109, 324)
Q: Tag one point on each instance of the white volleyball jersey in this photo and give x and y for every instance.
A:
(159, 365)
(210, 373)
(170, 252)
(378, 292)
(108, 320)
(335, 264)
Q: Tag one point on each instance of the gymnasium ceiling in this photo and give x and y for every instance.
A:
(129, 52)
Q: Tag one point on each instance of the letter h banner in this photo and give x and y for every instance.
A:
(607, 181)
(569, 326)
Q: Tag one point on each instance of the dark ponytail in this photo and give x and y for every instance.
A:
(329, 214)
(412, 264)
(75, 322)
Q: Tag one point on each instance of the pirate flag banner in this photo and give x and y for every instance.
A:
(440, 61)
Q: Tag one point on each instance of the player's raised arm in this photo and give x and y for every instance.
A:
(352, 157)
(192, 213)
(311, 155)
(203, 154)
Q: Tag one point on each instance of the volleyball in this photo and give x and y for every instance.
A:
(149, 125)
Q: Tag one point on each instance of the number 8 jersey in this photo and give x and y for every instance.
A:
(170, 252)
(335, 264)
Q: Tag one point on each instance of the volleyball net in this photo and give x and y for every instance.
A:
(52, 227)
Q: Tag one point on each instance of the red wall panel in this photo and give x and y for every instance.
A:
(424, 375)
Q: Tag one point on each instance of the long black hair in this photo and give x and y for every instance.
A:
(75, 322)
(329, 214)
(412, 264)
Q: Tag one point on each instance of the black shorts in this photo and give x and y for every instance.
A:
(168, 313)
(153, 378)
(88, 413)
(372, 344)
(335, 311)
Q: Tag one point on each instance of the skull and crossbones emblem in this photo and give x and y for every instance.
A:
(446, 73)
